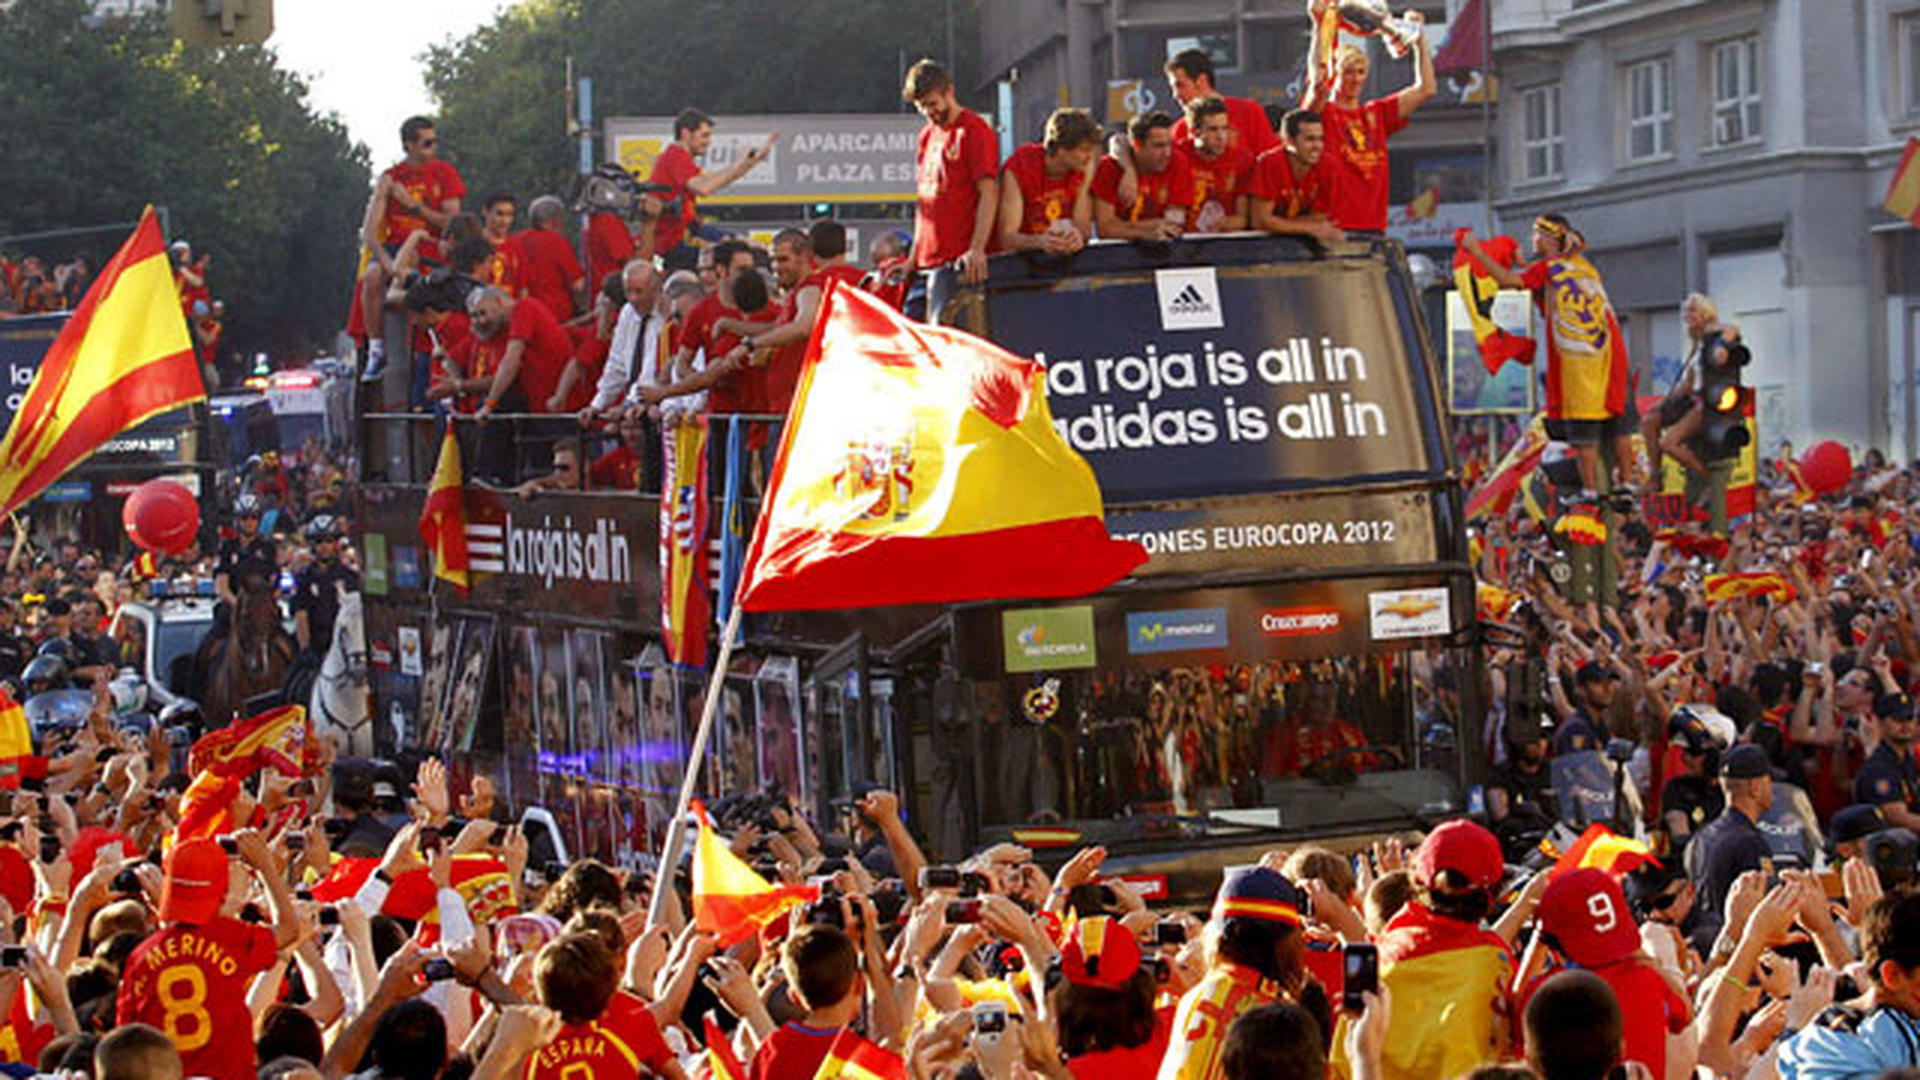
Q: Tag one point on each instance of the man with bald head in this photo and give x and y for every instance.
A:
(547, 269)
(634, 351)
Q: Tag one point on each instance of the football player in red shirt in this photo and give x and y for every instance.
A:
(1289, 188)
(496, 224)
(1357, 133)
(1165, 187)
(548, 269)
(958, 170)
(678, 169)
(785, 344)
(1190, 77)
(1045, 200)
(534, 353)
(1221, 168)
(421, 193)
(190, 980)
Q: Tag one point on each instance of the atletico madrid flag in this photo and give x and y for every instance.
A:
(17, 759)
(124, 356)
(920, 465)
(684, 608)
(443, 522)
(1601, 849)
(730, 900)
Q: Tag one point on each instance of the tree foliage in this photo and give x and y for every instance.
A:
(106, 116)
(503, 89)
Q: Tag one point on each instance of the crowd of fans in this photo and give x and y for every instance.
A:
(29, 287)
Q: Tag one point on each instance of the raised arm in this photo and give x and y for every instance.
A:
(1423, 87)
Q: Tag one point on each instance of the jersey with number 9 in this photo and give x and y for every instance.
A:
(191, 982)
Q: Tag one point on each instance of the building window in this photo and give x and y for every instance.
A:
(1736, 91)
(1650, 109)
(1543, 150)
(1908, 30)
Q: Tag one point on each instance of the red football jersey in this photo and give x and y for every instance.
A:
(1044, 199)
(674, 167)
(950, 164)
(1356, 162)
(432, 183)
(191, 982)
(1292, 195)
(1170, 187)
(547, 269)
(1218, 184)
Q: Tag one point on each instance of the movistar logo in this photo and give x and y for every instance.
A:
(1173, 631)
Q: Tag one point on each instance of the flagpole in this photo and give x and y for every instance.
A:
(677, 825)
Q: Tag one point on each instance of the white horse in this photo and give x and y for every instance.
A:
(340, 704)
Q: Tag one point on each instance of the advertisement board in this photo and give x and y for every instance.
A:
(23, 342)
(817, 157)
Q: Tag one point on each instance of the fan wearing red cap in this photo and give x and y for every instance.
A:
(190, 980)
(1258, 957)
(1103, 1001)
(1584, 918)
(1448, 976)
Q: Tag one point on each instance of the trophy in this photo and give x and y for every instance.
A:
(1371, 17)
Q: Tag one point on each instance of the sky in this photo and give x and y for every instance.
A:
(362, 57)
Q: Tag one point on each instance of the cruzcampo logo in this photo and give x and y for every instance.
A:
(1048, 639)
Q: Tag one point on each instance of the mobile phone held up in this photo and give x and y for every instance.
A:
(1360, 975)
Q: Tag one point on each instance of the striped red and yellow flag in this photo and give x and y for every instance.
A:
(443, 521)
(722, 1062)
(854, 1058)
(920, 464)
(1903, 194)
(17, 760)
(730, 900)
(279, 738)
(1721, 587)
(123, 357)
(1600, 848)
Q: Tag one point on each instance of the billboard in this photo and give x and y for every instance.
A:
(23, 342)
(817, 157)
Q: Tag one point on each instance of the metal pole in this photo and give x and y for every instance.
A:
(48, 234)
(1486, 104)
(677, 825)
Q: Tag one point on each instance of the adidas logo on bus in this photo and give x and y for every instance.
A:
(1189, 299)
(1190, 302)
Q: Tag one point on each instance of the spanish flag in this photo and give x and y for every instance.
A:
(17, 760)
(852, 1057)
(730, 900)
(1497, 491)
(1478, 291)
(1601, 849)
(722, 1062)
(443, 522)
(1903, 194)
(123, 357)
(920, 465)
(1721, 587)
(1449, 980)
(280, 738)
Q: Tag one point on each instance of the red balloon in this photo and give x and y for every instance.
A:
(1826, 467)
(162, 516)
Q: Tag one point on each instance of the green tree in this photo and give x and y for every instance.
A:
(503, 94)
(107, 116)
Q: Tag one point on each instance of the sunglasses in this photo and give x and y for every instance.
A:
(1668, 899)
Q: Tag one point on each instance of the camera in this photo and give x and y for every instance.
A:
(1169, 932)
(13, 956)
(438, 969)
(443, 289)
(126, 883)
(952, 877)
(329, 916)
(963, 911)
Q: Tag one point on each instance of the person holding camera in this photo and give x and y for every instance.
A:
(1258, 958)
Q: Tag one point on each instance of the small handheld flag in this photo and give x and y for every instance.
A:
(443, 521)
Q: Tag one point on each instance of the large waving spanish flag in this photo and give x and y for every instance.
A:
(124, 356)
(1599, 847)
(1449, 979)
(443, 521)
(920, 465)
(221, 760)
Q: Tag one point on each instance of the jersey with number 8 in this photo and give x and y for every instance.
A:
(191, 982)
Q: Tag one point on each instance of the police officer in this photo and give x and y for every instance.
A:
(1889, 778)
(248, 552)
(1732, 843)
(1585, 727)
(1521, 801)
(316, 599)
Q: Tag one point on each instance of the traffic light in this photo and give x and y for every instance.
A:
(1724, 431)
(223, 22)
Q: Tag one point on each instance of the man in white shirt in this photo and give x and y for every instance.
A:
(633, 354)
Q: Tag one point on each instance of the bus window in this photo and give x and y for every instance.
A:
(1335, 742)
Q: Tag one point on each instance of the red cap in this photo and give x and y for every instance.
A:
(1464, 848)
(1587, 914)
(1100, 952)
(196, 884)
